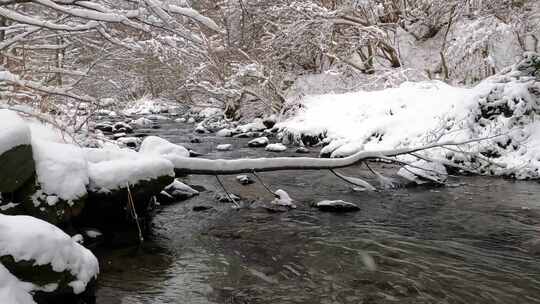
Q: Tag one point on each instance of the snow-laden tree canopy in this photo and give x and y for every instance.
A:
(50, 47)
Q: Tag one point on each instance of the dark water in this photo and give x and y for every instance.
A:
(476, 241)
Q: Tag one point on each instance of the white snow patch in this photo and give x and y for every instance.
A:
(277, 147)
(13, 291)
(283, 199)
(224, 147)
(15, 131)
(153, 145)
(61, 169)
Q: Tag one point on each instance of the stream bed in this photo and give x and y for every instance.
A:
(474, 241)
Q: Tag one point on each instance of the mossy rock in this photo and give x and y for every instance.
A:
(109, 211)
(16, 168)
(47, 207)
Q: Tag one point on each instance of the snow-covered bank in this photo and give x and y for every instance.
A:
(503, 108)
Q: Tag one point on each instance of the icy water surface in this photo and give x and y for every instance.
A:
(476, 241)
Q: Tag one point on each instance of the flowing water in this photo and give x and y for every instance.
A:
(475, 241)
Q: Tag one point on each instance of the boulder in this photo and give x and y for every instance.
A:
(423, 172)
(336, 206)
(122, 127)
(275, 147)
(34, 251)
(16, 168)
(16, 155)
(48, 206)
(176, 192)
(225, 133)
(224, 147)
(244, 180)
(259, 142)
(57, 192)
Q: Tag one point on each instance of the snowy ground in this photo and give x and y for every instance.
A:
(502, 109)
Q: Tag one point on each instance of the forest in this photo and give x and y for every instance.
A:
(251, 151)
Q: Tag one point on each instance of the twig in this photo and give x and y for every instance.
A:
(131, 206)
(227, 192)
(264, 185)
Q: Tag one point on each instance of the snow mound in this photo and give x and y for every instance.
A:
(61, 169)
(153, 145)
(277, 147)
(15, 131)
(12, 290)
(283, 199)
(29, 239)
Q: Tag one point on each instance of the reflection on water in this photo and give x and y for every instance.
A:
(474, 242)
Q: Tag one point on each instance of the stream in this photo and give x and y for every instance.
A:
(474, 241)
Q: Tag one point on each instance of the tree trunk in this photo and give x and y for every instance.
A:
(237, 166)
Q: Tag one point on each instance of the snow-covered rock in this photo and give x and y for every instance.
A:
(244, 180)
(176, 192)
(224, 147)
(13, 290)
(131, 142)
(122, 127)
(15, 152)
(224, 133)
(154, 145)
(277, 147)
(27, 242)
(259, 142)
(254, 126)
(302, 150)
(58, 192)
(283, 199)
(157, 117)
(15, 131)
(336, 206)
(201, 129)
(142, 122)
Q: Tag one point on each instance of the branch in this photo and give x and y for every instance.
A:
(236, 166)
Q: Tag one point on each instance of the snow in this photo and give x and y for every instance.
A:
(114, 168)
(259, 142)
(12, 290)
(61, 169)
(29, 239)
(142, 122)
(224, 133)
(502, 110)
(255, 126)
(283, 199)
(277, 147)
(224, 147)
(15, 132)
(378, 119)
(177, 188)
(153, 145)
(147, 105)
(336, 205)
